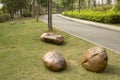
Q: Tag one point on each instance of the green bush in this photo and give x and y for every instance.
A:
(28, 14)
(116, 8)
(98, 16)
(103, 8)
(4, 17)
(112, 17)
(1, 11)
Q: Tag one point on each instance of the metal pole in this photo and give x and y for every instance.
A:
(50, 14)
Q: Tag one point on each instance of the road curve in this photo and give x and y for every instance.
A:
(105, 37)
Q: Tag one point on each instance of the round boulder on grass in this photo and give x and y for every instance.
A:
(95, 59)
(54, 60)
(52, 38)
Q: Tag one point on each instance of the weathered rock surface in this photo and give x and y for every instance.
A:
(54, 60)
(95, 59)
(52, 38)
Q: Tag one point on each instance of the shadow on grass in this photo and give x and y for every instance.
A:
(112, 69)
(63, 44)
(66, 70)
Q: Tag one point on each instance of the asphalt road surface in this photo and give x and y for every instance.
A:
(104, 37)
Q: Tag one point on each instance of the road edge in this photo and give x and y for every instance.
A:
(86, 40)
(100, 25)
(83, 38)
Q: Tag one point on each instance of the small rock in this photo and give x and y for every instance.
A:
(95, 59)
(12, 23)
(54, 60)
(52, 38)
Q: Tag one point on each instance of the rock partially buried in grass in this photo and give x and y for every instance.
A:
(12, 23)
(95, 59)
(52, 38)
(54, 60)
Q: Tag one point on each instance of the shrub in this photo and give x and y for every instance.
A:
(112, 17)
(4, 17)
(28, 14)
(104, 17)
(1, 11)
(116, 8)
(103, 8)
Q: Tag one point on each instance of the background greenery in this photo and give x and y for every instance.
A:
(104, 17)
(106, 11)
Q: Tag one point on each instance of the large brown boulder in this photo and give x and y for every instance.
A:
(54, 60)
(52, 38)
(95, 59)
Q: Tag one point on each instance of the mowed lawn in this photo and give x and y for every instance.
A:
(21, 51)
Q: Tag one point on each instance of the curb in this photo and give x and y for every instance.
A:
(100, 25)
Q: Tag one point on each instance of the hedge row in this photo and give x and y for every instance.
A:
(4, 17)
(104, 17)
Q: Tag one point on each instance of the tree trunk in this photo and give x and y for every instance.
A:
(72, 5)
(33, 7)
(88, 4)
(50, 15)
(79, 5)
(12, 15)
(108, 1)
(94, 3)
(36, 10)
(102, 2)
(21, 13)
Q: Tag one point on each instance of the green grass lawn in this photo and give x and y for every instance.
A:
(21, 51)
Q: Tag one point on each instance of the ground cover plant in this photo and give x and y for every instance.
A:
(110, 16)
(21, 51)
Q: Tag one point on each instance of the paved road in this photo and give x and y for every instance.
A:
(104, 37)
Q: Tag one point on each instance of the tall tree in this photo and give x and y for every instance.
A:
(89, 4)
(94, 3)
(79, 2)
(37, 10)
(50, 15)
(109, 1)
(43, 5)
(68, 4)
(118, 1)
(102, 2)
(13, 6)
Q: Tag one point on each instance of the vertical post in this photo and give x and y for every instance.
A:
(50, 14)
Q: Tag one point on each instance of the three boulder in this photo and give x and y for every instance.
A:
(95, 59)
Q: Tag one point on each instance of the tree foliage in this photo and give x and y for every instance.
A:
(43, 3)
(13, 6)
(67, 4)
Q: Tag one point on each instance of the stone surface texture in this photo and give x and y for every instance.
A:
(95, 59)
(52, 38)
(54, 60)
